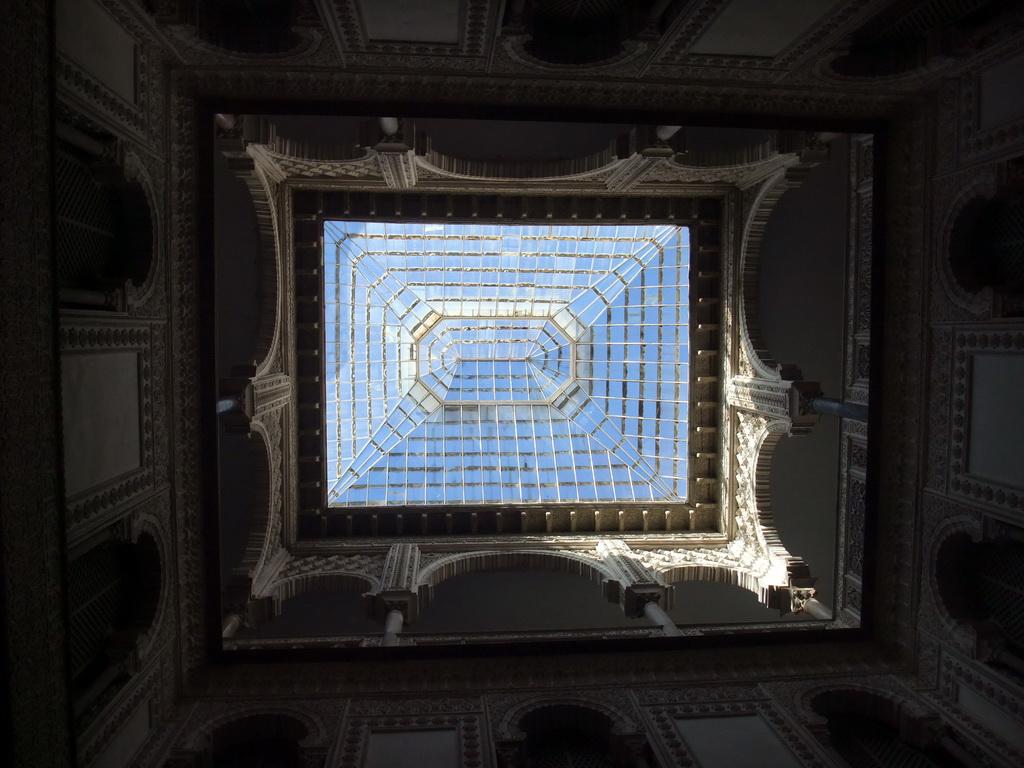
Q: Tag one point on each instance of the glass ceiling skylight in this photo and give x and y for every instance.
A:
(505, 364)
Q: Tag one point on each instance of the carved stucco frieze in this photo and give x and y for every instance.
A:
(765, 396)
(482, 90)
(369, 567)
(756, 543)
(185, 345)
(401, 568)
(362, 168)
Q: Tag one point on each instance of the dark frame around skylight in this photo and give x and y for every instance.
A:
(469, 513)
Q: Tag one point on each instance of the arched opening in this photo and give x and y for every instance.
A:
(266, 753)
(247, 27)
(113, 595)
(565, 736)
(582, 33)
(104, 234)
(982, 585)
(866, 730)
(986, 245)
(994, 576)
(269, 740)
(866, 742)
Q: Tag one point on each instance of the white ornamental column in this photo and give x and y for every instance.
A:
(392, 627)
(397, 602)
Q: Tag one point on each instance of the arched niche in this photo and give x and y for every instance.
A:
(878, 729)
(567, 734)
(245, 27)
(543, 732)
(578, 35)
(114, 595)
(986, 248)
(281, 737)
(980, 588)
(105, 243)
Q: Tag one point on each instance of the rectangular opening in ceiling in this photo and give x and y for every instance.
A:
(505, 364)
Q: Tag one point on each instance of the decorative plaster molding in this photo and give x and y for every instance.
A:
(468, 728)
(969, 340)
(97, 507)
(673, 748)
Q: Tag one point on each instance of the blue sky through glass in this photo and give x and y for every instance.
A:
(502, 363)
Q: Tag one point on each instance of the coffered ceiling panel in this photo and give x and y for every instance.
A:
(412, 20)
(760, 27)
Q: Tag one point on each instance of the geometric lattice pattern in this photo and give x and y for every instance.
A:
(97, 600)
(998, 587)
(86, 222)
(475, 364)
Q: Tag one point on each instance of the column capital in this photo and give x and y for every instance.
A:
(801, 411)
(635, 584)
(406, 603)
(235, 402)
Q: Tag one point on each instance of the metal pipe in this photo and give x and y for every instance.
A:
(830, 406)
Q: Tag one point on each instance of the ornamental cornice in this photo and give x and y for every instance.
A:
(698, 666)
(457, 638)
(412, 89)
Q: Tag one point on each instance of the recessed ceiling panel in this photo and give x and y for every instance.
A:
(411, 21)
(760, 27)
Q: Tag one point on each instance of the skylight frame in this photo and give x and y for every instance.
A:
(312, 207)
